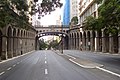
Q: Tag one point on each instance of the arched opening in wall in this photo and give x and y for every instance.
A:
(21, 42)
(115, 41)
(88, 36)
(18, 44)
(93, 40)
(14, 42)
(0, 43)
(72, 41)
(84, 41)
(106, 38)
(75, 39)
(9, 43)
(81, 43)
(100, 40)
(66, 42)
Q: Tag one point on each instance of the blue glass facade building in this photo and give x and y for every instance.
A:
(66, 13)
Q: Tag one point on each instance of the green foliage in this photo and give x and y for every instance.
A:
(53, 44)
(9, 16)
(42, 44)
(109, 17)
(74, 20)
(98, 1)
(46, 7)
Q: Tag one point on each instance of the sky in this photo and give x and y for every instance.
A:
(51, 19)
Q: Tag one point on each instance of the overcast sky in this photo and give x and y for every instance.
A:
(51, 19)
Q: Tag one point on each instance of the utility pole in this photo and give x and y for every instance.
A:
(62, 39)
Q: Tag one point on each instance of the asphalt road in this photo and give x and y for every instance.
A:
(47, 65)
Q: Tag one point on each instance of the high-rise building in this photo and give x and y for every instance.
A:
(58, 21)
(66, 13)
(74, 8)
(87, 8)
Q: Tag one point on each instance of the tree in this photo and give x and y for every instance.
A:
(8, 13)
(109, 17)
(74, 20)
(46, 7)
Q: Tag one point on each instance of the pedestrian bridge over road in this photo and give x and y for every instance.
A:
(52, 29)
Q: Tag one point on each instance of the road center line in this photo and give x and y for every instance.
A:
(9, 68)
(45, 57)
(105, 70)
(18, 62)
(14, 65)
(2, 73)
(45, 62)
(46, 71)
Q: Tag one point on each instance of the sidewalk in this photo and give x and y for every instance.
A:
(78, 61)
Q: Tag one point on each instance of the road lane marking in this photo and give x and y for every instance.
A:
(46, 71)
(71, 56)
(14, 65)
(9, 68)
(2, 73)
(105, 70)
(18, 62)
(45, 58)
(45, 62)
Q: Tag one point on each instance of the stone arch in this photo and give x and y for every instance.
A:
(24, 33)
(88, 40)
(9, 43)
(14, 42)
(75, 39)
(21, 35)
(0, 44)
(106, 41)
(84, 40)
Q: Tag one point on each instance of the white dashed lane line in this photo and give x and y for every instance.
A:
(14, 65)
(9, 68)
(18, 62)
(45, 62)
(46, 71)
(2, 73)
(45, 58)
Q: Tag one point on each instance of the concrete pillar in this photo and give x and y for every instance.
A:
(83, 43)
(97, 42)
(10, 47)
(91, 42)
(14, 46)
(4, 54)
(103, 42)
(111, 45)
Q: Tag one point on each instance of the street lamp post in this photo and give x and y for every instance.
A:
(62, 39)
